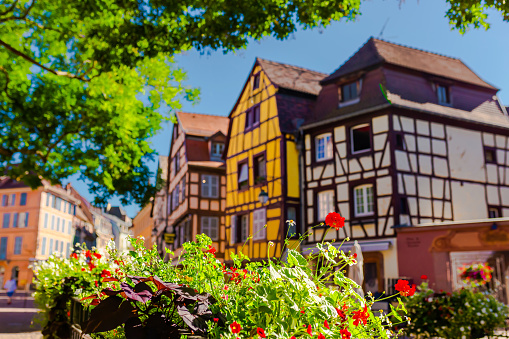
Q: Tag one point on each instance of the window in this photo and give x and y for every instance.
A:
(68, 250)
(361, 138)
(58, 224)
(493, 212)
(260, 174)
(233, 229)
(69, 227)
(256, 115)
(7, 220)
(490, 155)
(17, 245)
(61, 246)
(249, 119)
(350, 91)
(443, 95)
(3, 248)
(210, 226)
(292, 227)
(323, 147)
(23, 220)
(217, 149)
(23, 199)
(48, 199)
(15, 220)
(400, 142)
(50, 247)
(45, 220)
(12, 200)
(244, 227)
(259, 222)
(252, 117)
(243, 175)
(4, 200)
(176, 192)
(256, 81)
(70, 208)
(363, 200)
(209, 186)
(43, 247)
(52, 222)
(403, 205)
(325, 204)
(183, 188)
(177, 162)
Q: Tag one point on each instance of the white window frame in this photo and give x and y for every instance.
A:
(325, 204)
(209, 186)
(363, 207)
(12, 199)
(259, 222)
(210, 226)
(217, 149)
(352, 140)
(354, 100)
(327, 147)
(244, 227)
(243, 175)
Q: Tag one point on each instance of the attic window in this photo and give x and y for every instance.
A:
(443, 95)
(217, 149)
(350, 91)
(256, 81)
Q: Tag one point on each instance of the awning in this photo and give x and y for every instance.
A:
(366, 246)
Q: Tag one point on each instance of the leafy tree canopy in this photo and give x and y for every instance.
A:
(72, 74)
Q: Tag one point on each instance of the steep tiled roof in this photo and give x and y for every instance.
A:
(292, 77)
(377, 51)
(203, 125)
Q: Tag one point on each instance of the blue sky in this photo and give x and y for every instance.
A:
(420, 24)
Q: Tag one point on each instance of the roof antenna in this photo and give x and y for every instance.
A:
(380, 35)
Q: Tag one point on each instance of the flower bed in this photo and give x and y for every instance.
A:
(137, 295)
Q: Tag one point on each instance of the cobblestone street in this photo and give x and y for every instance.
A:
(16, 319)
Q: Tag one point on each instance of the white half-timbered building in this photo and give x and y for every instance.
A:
(402, 137)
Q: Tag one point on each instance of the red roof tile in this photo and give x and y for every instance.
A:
(202, 124)
(376, 51)
(292, 77)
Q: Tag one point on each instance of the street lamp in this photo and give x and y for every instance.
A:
(263, 197)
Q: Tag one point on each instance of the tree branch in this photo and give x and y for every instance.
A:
(19, 17)
(10, 9)
(29, 59)
(7, 80)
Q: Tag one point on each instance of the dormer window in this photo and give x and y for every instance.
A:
(443, 95)
(350, 92)
(217, 149)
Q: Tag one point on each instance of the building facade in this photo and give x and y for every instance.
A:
(196, 182)
(143, 225)
(159, 206)
(35, 224)
(403, 137)
(262, 162)
(121, 225)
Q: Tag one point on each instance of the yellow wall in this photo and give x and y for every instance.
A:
(246, 144)
(292, 169)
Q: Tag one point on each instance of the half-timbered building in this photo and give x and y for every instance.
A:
(402, 137)
(263, 186)
(196, 180)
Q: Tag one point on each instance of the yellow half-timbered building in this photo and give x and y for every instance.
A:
(262, 158)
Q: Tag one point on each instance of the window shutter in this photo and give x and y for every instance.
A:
(256, 225)
(213, 228)
(263, 221)
(233, 229)
(213, 186)
(205, 227)
(205, 186)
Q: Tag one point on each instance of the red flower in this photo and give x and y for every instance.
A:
(105, 273)
(424, 277)
(293, 337)
(335, 220)
(74, 255)
(235, 327)
(88, 254)
(326, 324)
(261, 332)
(309, 330)
(321, 336)
(91, 266)
(97, 255)
(96, 284)
(404, 288)
(212, 250)
(360, 316)
(345, 334)
(354, 255)
(216, 320)
(341, 314)
(82, 269)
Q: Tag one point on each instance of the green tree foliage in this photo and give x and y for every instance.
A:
(72, 74)
(464, 14)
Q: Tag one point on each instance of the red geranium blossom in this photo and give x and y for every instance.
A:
(335, 220)
(424, 277)
(105, 273)
(321, 336)
(310, 332)
(97, 255)
(216, 320)
(261, 332)
(341, 314)
(404, 288)
(235, 327)
(360, 316)
(212, 250)
(74, 255)
(88, 254)
(326, 324)
(345, 334)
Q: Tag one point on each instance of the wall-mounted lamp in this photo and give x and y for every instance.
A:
(263, 197)
(494, 226)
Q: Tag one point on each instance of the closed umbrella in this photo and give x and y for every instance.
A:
(356, 272)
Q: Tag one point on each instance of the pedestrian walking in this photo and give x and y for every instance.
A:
(10, 286)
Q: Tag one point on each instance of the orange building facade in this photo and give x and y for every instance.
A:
(143, 225)
(33, 225)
